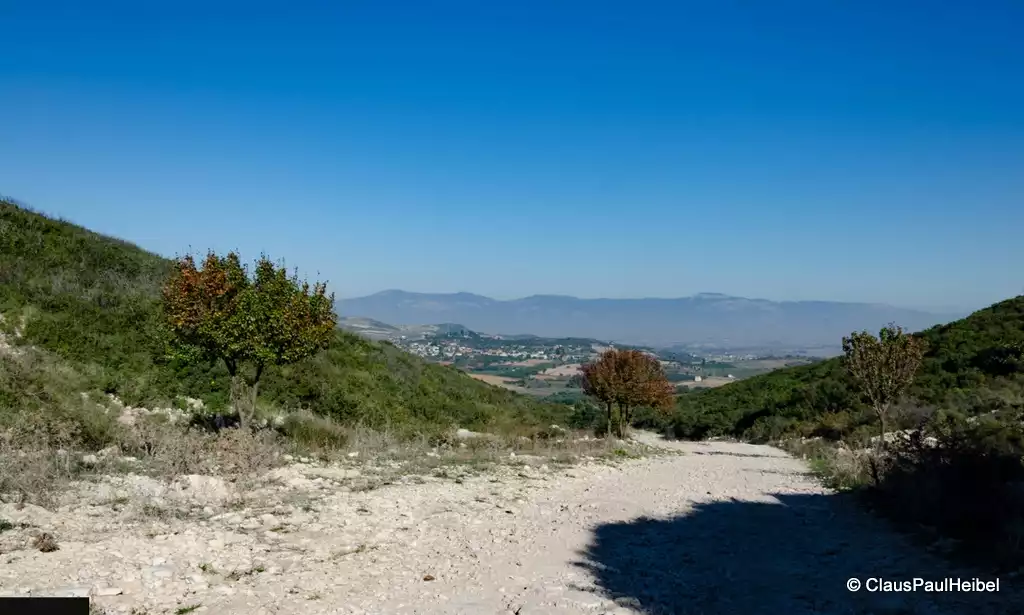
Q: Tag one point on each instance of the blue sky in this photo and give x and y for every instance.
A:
(864, 151)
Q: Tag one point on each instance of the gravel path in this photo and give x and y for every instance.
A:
(718, 528)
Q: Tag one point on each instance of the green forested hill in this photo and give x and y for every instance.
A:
(92, 301)
(972, 366)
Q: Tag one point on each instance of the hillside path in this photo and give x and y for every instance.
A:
(712, 528)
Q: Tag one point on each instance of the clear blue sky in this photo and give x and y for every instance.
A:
(869, 150)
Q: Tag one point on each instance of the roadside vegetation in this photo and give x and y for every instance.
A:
(108, 352)
(950, 401)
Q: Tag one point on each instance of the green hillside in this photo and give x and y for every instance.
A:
(972, 366)
(957, 479)
(92, 301)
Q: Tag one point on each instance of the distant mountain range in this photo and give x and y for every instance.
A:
(376, 330)
(703, 319)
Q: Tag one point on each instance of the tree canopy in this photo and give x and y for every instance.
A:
(884, 367)
(218, 311)
(627, 379)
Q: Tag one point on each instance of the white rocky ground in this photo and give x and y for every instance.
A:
(719, 528)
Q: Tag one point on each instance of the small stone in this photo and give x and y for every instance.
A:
(107, 591)
(428, 577)
(90, 460)
(269, 519)
(353, 454)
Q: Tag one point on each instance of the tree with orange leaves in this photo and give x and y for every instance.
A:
(628, 379)
(219, 312)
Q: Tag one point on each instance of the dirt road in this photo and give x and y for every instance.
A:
(713, 528)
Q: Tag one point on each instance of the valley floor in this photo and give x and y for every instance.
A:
(711, 528)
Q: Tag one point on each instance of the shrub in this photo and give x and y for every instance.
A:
(962, 477)
(314, 432)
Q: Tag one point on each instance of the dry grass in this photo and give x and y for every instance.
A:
(170, 450)
(38, 460)
(33, 464)
(838, 467)
(58, 435)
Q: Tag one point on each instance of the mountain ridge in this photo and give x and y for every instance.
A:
(699, 318)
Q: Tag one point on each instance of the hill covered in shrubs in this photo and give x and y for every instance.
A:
(971, 367)
(92, 303)
(953, 470)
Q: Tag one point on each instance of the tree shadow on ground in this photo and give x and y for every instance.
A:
(790, 557)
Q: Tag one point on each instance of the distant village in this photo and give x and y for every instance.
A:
(453, 349)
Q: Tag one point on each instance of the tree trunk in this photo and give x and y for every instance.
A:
(254, 388)
(240, 399)
(243, 394)
(252, 400)
(881, 426)
(611, 426)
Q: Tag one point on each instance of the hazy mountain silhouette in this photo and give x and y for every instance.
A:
(708, 318)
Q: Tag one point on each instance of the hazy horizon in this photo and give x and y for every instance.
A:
(933, 309)
(786, 151)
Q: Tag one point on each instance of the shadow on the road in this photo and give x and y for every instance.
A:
(745, 557)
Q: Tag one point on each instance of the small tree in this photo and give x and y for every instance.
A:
(883, 367)
(219, 311)
(628, 379)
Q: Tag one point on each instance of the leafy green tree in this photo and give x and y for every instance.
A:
(883, 367)
(220, 312)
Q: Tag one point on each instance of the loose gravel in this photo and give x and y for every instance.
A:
(703, 528)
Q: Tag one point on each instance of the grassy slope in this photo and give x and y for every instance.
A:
(93, 302)
(972, 365)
